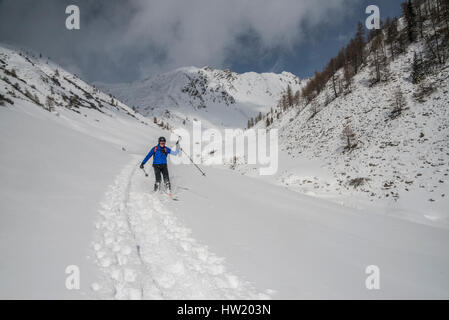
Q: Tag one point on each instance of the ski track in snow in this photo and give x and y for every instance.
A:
(145, 253)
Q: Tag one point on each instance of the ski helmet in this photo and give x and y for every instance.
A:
(161, 139)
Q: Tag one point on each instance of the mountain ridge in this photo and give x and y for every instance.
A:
(204, 93)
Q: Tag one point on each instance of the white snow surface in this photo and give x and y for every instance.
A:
(148, 254)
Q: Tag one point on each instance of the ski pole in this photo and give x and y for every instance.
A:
(146, 174)
(190, 158)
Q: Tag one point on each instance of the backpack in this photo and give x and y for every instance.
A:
(164, 152)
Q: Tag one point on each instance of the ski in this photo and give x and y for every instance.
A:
(174, 198)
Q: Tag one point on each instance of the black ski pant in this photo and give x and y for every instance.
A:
(158, 170)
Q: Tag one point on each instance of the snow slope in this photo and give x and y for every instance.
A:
(277, 243)
(145, 253)
(216, 97)
(51, 179)
(404, 162)
(54, 169)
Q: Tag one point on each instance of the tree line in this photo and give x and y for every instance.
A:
(423, 19)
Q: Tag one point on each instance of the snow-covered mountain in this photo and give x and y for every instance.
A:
(399, 163)
(216, 97)
(61, 143)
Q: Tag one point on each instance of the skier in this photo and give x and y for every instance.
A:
(160, 153)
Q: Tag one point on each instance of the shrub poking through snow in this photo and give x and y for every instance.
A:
(11, 73)
(4, 99)
(424, 90)
(357, 182)
(349, 137)
(399, 104)
(50, 104)
(314, 109)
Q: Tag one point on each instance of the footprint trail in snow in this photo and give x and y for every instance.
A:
(145, 253)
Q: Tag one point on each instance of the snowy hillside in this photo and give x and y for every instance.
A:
(54, 169)
(216, 97)
(399, 163)
(26, 77)
(404, 160)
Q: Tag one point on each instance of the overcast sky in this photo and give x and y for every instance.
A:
(121, 41)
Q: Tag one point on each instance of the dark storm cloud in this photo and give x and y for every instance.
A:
(127, 40)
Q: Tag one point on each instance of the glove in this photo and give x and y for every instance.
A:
(141, 166)
(177, 143)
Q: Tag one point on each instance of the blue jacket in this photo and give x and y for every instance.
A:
(160, 156)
